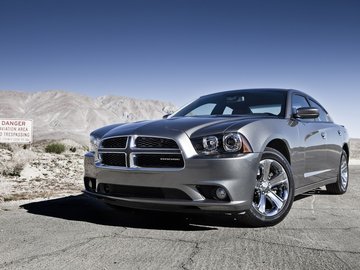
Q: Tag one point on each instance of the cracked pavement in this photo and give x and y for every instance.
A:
(75, 232)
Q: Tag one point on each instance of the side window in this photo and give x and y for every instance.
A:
(323, 116)
(299, 102)
(227, 111)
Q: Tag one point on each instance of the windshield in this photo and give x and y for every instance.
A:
(271, 102)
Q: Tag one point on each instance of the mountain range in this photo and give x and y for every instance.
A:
(66, 115)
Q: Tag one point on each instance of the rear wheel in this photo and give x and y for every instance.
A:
(342, 182)
(274, 191)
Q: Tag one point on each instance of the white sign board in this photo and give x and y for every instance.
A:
(16, 131)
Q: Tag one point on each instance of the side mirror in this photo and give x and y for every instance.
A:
(307, 113)
(166, 116)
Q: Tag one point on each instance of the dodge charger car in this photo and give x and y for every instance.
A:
(244, 151)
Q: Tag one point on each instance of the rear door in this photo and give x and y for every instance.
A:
(334, 138)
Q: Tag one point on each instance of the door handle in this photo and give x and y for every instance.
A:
(339, 132)
(323, 135)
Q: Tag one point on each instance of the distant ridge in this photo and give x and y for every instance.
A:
(60, 114)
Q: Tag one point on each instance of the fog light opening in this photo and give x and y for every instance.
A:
(212, 192)
(221, 193)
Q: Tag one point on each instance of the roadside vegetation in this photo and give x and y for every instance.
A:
(56, 148)
(14, 158)
(43, 169)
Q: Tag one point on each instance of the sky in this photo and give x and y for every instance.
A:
(177, 50)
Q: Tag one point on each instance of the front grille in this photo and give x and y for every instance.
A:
(116, 142)
(140, 152)
(153, 142)
(113, 159)
(159, 160)
(142, 192)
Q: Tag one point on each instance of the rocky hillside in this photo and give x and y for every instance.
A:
(60, 114)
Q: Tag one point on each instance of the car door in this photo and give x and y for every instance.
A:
(312, 136)
(334, 138)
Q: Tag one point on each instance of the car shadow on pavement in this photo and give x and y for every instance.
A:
(83, 208)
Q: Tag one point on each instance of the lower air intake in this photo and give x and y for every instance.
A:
(142, 192)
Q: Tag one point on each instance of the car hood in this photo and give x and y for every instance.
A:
(192, 126)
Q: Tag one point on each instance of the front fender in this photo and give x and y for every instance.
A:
(261, 133)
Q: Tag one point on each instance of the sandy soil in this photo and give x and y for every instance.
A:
(39, 174)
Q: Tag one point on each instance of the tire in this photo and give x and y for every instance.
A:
(274, 191)
(342, 183)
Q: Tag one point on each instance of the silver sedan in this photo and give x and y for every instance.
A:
(247, 152)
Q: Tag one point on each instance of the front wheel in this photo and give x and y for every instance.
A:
(274, 191)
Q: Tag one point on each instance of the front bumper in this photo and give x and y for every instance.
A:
(237, 175)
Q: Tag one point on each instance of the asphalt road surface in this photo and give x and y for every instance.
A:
(75, 232)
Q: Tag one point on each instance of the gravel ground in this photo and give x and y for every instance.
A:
(26, 174)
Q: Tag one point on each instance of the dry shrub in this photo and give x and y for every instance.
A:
(17, 163)
(13, 169)
(6, 146)
(56, 148)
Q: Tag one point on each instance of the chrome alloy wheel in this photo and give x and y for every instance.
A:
(344, 172)
(271, 189)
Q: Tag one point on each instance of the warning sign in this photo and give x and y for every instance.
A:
(16, 131)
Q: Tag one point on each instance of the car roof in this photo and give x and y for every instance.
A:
(236, 91)
(260, 90)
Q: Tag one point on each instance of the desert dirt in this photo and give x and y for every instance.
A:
(29, 174)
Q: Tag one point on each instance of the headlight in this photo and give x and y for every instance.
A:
(210, 143)
(232, 142)
(94, 144)
(226, 144)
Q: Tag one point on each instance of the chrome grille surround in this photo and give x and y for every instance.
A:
(160, 153)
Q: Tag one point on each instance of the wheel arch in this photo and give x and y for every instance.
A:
(281, 146)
